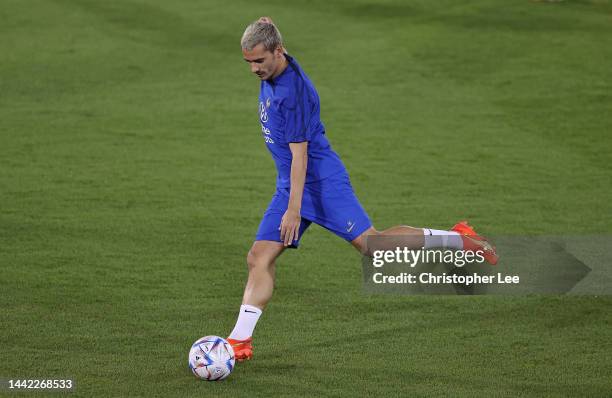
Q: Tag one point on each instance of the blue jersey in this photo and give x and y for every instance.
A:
(289, 111)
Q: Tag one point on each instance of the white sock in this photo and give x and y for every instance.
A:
(247, 319)
(435, 238)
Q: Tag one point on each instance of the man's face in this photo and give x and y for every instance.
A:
(263, 62)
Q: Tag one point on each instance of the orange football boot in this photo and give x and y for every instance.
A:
(243, 349)
(474, 242)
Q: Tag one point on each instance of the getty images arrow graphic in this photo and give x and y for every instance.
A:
(542, 265)
(528, 265)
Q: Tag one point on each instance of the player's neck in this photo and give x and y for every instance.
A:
(281, 68)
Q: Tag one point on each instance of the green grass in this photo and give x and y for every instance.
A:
(133, 177)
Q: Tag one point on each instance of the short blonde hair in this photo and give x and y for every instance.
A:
(261, 32)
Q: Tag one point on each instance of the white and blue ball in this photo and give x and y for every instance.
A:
(211, 358)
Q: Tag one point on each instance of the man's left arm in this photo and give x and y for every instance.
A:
(290, 224)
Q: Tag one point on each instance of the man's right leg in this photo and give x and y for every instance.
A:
(257, 293)
(260, 261)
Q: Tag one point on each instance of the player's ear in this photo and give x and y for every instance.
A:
(279, 51)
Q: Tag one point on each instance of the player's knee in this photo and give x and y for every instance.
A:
(256, 260)
(361, 243)
(372, 231)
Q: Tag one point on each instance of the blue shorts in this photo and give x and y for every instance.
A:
(330, 203)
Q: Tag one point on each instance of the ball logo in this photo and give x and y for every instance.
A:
(263, 115)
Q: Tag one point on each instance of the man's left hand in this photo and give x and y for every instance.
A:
(290, 226)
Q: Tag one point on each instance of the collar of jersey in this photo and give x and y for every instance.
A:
(287, 70)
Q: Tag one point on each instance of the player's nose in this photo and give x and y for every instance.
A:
(254, 68)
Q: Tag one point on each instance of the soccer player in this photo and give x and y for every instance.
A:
(312, 184)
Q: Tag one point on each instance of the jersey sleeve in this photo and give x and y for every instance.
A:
(296, 113)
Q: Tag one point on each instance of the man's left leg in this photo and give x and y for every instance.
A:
(332, 203)
(460, 237)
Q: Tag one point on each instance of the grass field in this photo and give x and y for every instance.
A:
(134, 175)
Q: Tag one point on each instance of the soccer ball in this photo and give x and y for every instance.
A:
(211, 358)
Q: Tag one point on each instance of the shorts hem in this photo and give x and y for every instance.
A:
(358, 232)
(276, 238)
